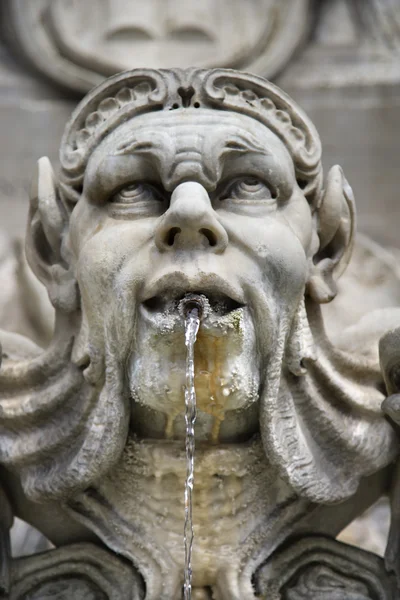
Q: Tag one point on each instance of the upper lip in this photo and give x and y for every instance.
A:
(173, 286)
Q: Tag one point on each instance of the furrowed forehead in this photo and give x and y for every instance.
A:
(240, 132)
(200, 144)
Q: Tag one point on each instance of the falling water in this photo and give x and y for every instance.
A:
(192, 324)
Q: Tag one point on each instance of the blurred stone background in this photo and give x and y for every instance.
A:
(344, 70)
(340, 59)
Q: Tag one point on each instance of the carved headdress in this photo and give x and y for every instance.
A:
(132, 93)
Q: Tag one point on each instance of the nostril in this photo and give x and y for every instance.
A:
(171, 235)
(210, 235)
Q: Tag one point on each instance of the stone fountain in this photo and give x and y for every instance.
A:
(181, 189)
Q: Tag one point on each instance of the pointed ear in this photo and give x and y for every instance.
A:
(46, 231)
(336, 228)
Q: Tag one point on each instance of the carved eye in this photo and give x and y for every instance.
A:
(136, 193)
(247, 189)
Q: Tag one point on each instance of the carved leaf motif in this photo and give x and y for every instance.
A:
(325, 583)
(64, 589)
(79, 571)
(323, 569)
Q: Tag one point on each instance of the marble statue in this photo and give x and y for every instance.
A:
(210, 182)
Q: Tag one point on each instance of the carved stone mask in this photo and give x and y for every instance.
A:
(199, 201)
(174, 182)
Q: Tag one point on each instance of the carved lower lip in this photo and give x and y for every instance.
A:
(219, 304)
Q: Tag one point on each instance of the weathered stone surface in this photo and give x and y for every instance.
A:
(81, 572)
(347, 79)
(322, 568)
(175, 182)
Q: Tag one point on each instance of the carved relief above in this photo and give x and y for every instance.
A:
(77, 43)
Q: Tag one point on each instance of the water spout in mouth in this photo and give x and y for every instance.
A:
(193, 302)
(191, 308)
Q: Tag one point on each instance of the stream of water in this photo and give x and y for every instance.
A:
(192, 324)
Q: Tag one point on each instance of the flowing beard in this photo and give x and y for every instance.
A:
(320, 416)
(61, 427)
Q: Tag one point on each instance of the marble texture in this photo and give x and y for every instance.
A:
(208, 181)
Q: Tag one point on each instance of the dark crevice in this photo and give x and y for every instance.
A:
(171, 235)
(210, 235)
(219, 303)
(186, 94)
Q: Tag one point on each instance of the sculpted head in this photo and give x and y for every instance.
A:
(174, 182)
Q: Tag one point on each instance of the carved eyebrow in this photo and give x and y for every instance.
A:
(236, 143)
(132, 146)
(242, 144)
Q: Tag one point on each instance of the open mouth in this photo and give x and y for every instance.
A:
(218, 304)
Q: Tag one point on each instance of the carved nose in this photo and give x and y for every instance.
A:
(190, 222)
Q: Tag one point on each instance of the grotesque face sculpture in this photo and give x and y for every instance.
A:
(208, 182)
(192, 200)
(175, 183)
